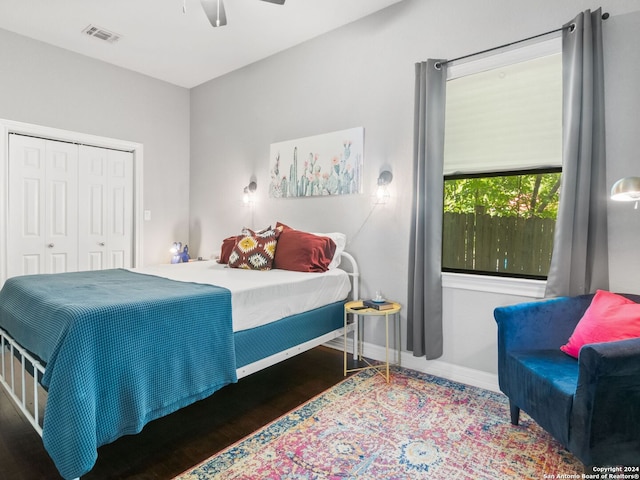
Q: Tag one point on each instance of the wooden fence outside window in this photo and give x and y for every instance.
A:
(508, 245)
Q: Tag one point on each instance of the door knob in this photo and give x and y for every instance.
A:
(51, 245)
(101, 244)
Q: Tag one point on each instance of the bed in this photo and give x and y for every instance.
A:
(174, 335)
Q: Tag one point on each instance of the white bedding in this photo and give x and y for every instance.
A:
(261, 297)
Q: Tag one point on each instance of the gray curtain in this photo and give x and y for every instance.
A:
(580, 252)
(424, 305)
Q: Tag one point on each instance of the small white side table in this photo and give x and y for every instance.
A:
(356, 309)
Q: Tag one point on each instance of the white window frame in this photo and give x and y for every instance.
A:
(489, 283)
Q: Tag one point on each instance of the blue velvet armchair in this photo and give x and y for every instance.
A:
(590, 405)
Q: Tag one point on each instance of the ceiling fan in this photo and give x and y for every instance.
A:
(216, 14)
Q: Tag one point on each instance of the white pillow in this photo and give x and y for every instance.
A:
(340, 239)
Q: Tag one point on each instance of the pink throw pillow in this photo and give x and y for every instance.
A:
(610, 317)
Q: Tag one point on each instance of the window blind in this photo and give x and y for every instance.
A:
(507, 117)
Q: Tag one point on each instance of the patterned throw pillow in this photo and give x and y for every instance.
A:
(255, 250)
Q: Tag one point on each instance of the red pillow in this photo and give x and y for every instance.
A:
(610, 317)
(302, 251)
(227, 247)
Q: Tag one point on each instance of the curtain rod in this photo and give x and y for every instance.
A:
(569, 27)
(71, 142)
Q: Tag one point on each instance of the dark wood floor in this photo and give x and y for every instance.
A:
(170, 445)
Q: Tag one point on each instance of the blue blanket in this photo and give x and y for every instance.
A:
(121, 349)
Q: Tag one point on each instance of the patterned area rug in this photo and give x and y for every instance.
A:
(418, 426)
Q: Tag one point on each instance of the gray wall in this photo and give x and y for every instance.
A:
(622, 64)
(45, 85)
(363, 75)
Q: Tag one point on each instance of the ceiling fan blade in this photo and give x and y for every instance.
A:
(215, 12)
(279, 2)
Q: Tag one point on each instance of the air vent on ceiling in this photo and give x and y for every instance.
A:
(101, 34)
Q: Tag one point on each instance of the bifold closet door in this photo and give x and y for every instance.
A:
(43, 205)
(105, 216)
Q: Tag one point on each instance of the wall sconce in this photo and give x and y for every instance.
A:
(626, 189)
(382, 192)
(248, 197)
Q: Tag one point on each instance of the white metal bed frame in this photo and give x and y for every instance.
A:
(25, 393)
(16, 382)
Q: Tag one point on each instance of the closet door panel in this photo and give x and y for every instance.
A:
(32, 220)
(62, 207)
(106, 219)
(29, 264)
(43, 199)
(26, 216)
(59, 263)
(120, 211)
(91, 213)
(96, 221)
(119, 259)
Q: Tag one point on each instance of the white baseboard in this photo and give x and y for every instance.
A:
(456, 373)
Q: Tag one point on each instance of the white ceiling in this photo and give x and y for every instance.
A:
(161, 41)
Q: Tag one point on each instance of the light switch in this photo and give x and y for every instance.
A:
(147, 215)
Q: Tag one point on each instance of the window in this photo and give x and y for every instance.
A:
(502, 163)
(500, 223)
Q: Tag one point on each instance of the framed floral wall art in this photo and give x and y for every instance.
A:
(320, 165)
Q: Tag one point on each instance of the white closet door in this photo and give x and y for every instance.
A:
(120, 208)
(92, 223)
(62, 207)
(43, 202)
(26, 219)
(106, 210)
